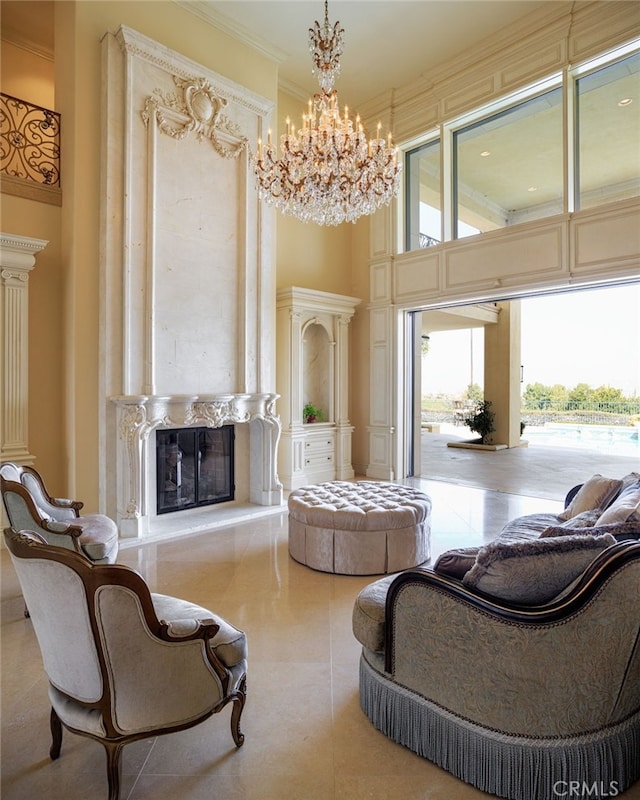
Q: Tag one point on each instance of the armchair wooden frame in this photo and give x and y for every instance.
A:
(57, 527)
(28, 545)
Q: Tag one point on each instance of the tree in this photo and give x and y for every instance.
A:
(607, 394)
(559, 395)
(580, 394)
(536, 396)
(473, 393)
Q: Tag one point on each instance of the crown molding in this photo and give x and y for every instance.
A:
(213, 17)
(12, 37)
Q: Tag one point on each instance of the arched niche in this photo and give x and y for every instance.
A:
(317, 369)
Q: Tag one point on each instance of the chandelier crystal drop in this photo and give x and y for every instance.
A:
(327, 172)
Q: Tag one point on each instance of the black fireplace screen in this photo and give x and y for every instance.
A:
(195, 467)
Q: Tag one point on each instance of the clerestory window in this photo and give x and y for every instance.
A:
(568, 142)
(608, 132)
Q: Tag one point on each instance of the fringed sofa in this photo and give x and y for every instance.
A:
(516, 696)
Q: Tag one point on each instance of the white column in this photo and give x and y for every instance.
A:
(17, 259)
(344, 430)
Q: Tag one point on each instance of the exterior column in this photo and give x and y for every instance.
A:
(17, 259)
(502, 359)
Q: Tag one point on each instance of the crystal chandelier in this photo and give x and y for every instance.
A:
(327, 173)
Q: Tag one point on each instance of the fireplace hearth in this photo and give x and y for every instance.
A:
(194, 467)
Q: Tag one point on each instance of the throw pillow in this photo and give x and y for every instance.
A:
(625, 507)
(630, 478)
(536, 571)
(455, 563)
(586, 519)
(619, 530)
(597, 492)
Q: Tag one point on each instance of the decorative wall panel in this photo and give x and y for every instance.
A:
(190, 311)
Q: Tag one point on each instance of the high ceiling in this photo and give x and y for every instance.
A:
(387, 43)
(390, 43)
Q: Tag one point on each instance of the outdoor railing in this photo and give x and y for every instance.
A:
(29, 142)
(426, 241)
(626, 412)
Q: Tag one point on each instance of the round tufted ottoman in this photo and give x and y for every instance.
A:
(363, 528)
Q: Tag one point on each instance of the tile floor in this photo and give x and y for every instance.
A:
(306, 737)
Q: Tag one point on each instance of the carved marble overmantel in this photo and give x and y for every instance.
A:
(140, 416)
(188, 321)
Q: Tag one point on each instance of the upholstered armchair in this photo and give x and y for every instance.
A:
(29, 506)
(124, 664)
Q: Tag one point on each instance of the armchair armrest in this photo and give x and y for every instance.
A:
(54, 526)
(185, 630)
(189, 630)
(65, 502)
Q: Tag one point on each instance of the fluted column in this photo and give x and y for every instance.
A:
(17, 259)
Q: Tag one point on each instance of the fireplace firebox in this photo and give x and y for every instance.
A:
(194, 467)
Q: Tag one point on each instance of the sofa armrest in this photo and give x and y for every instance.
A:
(571, 494)
(574, 659)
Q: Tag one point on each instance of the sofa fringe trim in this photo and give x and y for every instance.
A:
(518, 768)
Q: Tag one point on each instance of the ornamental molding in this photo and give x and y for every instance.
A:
(18, 252)
(8, 275)
(140, 414)
(135, 44)
(196, 109)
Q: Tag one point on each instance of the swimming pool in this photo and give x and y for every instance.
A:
(610, 439)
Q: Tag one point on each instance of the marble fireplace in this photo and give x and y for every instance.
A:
(187, 280)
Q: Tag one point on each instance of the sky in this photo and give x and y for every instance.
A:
(590, 336)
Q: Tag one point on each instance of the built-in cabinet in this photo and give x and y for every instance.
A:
(313, 367)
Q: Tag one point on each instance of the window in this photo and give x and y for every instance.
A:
(508, 167)
(608, 133)
(530, 155)
(423, 203)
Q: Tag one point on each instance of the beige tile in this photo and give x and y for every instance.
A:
(306, 736)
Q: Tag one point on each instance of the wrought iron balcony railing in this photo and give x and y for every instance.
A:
(29, 146)
(427, 241)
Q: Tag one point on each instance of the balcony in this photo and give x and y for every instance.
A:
(29, 150)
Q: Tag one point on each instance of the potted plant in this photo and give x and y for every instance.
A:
(310, 413)
(480, 420)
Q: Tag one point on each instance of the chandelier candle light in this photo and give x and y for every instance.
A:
(327, 173)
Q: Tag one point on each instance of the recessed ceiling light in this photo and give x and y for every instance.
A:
(626, 101)
(485, 153)
(532, 189)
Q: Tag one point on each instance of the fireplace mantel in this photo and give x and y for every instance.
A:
(139, 416)
(188, 277)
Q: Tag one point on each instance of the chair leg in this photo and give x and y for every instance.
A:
(56, 735)
(114, 768)
(236, 712)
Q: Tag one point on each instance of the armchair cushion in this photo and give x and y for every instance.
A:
(229, 643)
(533, 572)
